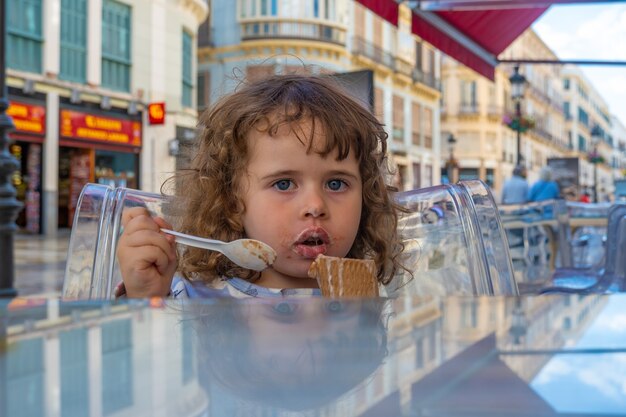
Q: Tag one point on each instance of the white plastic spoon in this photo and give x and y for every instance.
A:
(248, 253)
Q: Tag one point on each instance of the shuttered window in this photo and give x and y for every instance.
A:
(24, 35)
(116, 57)
(73, 40)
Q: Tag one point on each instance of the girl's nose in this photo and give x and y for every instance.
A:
(314, 205)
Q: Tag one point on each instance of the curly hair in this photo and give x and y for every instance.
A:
(210, 191)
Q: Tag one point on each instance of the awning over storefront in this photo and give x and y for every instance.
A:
(473, 37)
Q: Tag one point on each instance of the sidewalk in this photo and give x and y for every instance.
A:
(40, 263)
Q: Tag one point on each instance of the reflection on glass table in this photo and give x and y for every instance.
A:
(410, 356)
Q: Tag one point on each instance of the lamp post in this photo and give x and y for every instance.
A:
(518, 87)
(9, 206)
(596, 135)
(451, 162)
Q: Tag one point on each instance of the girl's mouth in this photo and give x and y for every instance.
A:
(312, 242)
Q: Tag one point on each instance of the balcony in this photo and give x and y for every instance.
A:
(495, 111)
(362, 47)
(468, 109)
(285, 28)
(426, 78)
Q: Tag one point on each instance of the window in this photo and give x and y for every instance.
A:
(398, 118)
(416, 175)
(24, 38)
(73, 40)
(415, 124)
(204, 90)
(582, 143)
(566, 83)
(468, 96)
(116, 60)
(566, 110)
(187, 87)
(428, 127)
(583, 117)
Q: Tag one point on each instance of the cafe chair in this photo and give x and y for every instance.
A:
(92, 271)
(538, 236)
(454, 242)
(611, 277)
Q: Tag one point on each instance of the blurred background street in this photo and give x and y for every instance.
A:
(40, 263)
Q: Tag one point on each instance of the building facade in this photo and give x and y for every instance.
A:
(251, 39)
(81, 75)
(585, 110)
(475, 111)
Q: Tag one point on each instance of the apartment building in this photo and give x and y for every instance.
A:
(81, 75)
(250, 39)
(588, 130)
(474, 110)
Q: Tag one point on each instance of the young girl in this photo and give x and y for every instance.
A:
(293, 161)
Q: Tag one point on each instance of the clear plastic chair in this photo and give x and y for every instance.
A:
(454, 242)
(587, 223)
(611, 277)
(538, 236)
(91, 271)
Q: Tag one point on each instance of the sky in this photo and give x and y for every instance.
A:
(590, 383)
(591, 31)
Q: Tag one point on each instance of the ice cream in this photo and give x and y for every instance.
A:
(342, 277)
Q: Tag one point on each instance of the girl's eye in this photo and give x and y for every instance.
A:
(283, 185)
(336, 185)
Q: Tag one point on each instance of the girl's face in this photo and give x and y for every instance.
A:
(300, 204)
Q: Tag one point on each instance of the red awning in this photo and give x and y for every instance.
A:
(473, 37)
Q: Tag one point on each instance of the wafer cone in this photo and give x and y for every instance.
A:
(342, 277)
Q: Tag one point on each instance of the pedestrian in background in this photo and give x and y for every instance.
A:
(515, 190)
(544, 188)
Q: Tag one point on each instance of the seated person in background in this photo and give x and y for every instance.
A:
(293, 161)
(544, 188)
(515, 190)
(585, 197)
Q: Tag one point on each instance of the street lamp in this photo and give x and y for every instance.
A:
(518, 87)
(9, 206)
(596, 135)
(451, 165)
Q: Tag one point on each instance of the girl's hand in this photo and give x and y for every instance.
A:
(146, 255)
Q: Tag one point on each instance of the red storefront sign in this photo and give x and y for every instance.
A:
(28, 118)
(98, 128)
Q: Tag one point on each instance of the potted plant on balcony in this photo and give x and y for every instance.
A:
(595, 158)
(521, 124)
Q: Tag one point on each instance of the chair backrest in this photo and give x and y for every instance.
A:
(91, 271)
(615, 266)
(454, 242)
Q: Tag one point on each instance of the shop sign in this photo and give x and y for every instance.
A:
(156, 113)
(28, 118)
(99, 128)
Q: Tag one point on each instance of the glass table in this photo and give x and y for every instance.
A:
(412, 356)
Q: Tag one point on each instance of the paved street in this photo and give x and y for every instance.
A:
(40, 264)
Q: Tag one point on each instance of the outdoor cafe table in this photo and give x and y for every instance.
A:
(557, 355)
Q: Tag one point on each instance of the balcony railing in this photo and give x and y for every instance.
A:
(468, 108)
(495, 110)
(373, 52)
(292, 29)
(426, 78)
